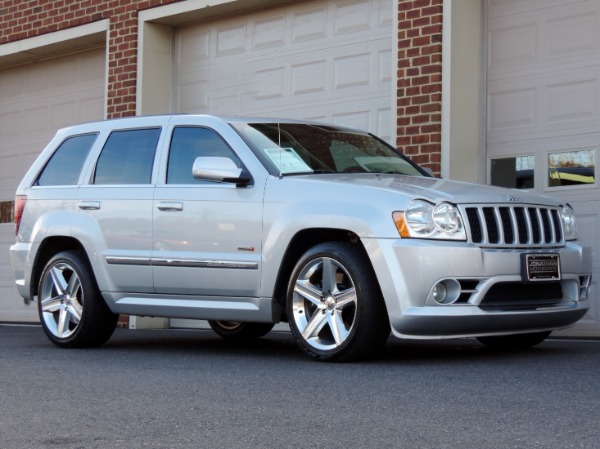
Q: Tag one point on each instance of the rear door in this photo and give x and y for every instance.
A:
(116, 207)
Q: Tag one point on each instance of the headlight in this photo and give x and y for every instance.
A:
(569, 222)
(427, 221)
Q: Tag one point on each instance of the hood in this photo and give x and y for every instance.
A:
(437, 190)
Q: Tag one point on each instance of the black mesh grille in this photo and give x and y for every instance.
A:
(546, 224)
(491, 224)
(535, 225)
(509, 233)
(517, 295)
(521, 224)
(514, 226)
(475, 225)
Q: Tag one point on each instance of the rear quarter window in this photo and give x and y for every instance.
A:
(64, 167)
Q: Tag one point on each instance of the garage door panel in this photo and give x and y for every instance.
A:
(351, 17)
(291, 61)
(503, 8)
(573, 102)
(10, 125)
(269, 32)
(556, 104)
(543, 97)
(35, 100)
(309, 24)
(561, 38)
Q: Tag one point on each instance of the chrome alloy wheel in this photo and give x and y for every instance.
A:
(324, 303)
(61, 297)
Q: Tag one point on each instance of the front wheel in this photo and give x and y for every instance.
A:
(72, 311)
(334, 304)
(236, 330)
(517, 341)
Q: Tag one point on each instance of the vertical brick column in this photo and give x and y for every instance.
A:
(122, 62)
(419, 94)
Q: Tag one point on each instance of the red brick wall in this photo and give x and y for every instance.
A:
(21, 19)
(419, 95)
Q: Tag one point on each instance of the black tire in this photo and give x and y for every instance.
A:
(71, 308)
(517, 341)
(334, 304)
(236, 330)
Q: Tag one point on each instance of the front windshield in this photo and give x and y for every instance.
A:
(296, 148)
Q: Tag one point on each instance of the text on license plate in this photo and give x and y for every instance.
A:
(540, 267)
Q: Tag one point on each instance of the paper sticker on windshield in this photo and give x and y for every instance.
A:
(287, 160)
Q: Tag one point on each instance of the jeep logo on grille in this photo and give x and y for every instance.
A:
(514, 198)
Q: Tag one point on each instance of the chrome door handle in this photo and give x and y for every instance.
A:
(89, 205)
(170, 206)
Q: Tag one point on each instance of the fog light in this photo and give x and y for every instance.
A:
(439, 293)
(446, 292)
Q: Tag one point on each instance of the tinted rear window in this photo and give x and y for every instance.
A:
(65, 165)
(127, 157)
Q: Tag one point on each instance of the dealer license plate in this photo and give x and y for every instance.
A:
(540, 267)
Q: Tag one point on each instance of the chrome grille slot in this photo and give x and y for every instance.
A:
(514, 226)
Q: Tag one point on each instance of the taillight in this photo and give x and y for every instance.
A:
(20, 201)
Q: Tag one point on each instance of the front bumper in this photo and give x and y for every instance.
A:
(492, 298)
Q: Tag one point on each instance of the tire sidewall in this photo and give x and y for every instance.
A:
(352, 259)
(87, 332)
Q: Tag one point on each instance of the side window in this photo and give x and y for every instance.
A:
(188, 143)
(127, 157)
(65, 165)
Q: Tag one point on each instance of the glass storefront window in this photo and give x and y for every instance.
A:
(513, 172)
(569, 168)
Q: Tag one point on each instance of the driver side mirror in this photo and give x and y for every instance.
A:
(219, 169)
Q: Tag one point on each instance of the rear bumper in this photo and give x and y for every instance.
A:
(18, 260)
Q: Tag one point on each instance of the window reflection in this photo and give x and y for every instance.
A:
(513, 172)
(570, 168)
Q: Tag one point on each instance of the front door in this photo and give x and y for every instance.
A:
(207, 235)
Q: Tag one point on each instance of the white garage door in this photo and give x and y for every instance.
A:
(543, 109)
(324, 60)
(35, 100)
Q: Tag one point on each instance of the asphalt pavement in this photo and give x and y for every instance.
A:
(192, 389)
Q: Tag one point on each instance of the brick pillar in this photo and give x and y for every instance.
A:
(419, 95)
(122, 62)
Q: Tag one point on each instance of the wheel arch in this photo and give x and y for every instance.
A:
(47, 249)
(301, 242)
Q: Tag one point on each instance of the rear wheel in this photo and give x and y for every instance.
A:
(72, 311)
(236, 330)
(517, 341)
(334, 304)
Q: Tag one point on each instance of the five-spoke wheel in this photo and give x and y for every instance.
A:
(72, 311)
(335, 308)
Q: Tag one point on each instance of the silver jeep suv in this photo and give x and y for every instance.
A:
(249, 222)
